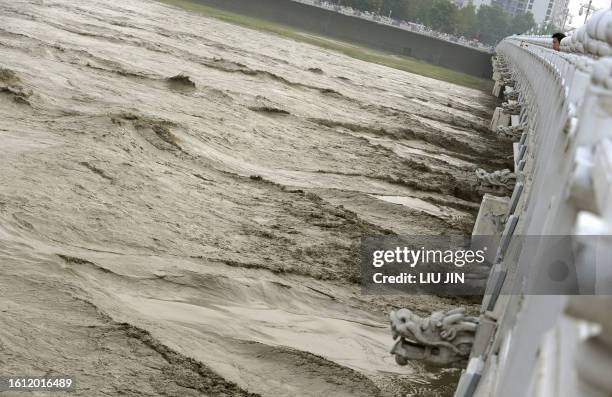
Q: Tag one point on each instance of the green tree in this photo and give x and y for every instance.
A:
(363, 5)
(521, 23)
(395, 8)
(489, 24)
(442, 16)
(493, 24)
(418, 11)
(546, 29)
(466, 20)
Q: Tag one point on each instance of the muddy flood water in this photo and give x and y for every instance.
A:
(182, 201)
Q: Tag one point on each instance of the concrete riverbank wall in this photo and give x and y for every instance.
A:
(363, 32)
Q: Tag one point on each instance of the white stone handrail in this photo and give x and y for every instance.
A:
(593, 39)
(565, 110)
(558, 112)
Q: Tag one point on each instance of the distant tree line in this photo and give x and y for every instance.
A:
(488, 24)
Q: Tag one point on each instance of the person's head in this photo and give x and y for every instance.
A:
(557, 37)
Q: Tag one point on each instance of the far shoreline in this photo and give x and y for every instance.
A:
(394, 61)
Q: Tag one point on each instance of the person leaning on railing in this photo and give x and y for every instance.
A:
(557, 37)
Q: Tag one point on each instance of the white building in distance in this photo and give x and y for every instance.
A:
(544, 11)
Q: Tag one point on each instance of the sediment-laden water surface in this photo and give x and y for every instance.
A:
(182, 201)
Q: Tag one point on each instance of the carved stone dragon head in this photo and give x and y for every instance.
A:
(443, 339)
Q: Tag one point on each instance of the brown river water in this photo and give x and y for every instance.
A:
(199, 235)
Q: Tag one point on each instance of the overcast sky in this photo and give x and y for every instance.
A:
(575, 7)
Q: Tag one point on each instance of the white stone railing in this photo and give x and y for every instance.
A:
(558, 111)
(593, 39)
